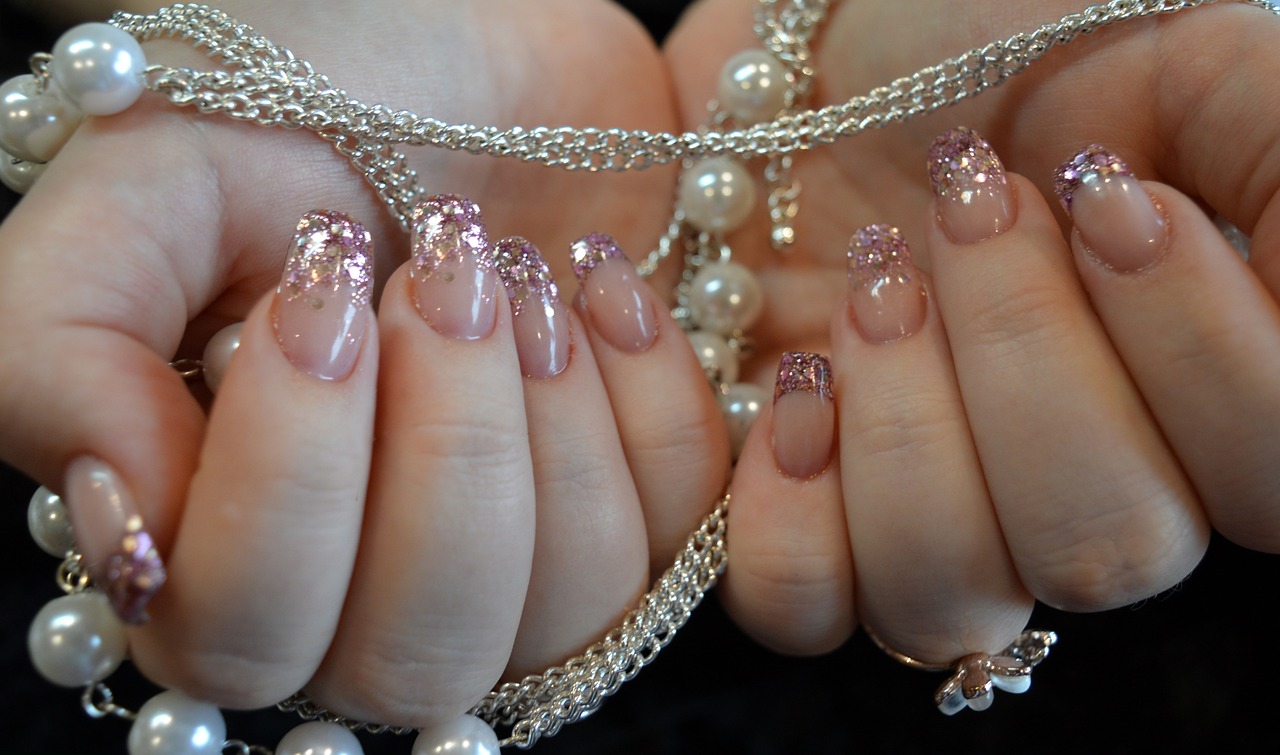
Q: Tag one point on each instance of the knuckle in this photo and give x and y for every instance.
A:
(907, 419)
(1028, 317)
(242, 678)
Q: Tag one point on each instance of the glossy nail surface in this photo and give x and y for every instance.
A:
(454, 278)
(975, 201)
(1116, 218)
(613, 293)
(119, 552)
(804, 415)
(322, 305)
(539, 318)
(886, 295)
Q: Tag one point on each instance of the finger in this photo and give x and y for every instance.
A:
(935, 580)
(1197, 331)
(1095, 509)
(448, 535)
(264, 552)
(671, 429)
(791, 584)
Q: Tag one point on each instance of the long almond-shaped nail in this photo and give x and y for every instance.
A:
(120, 554)
(975, 201)
(454, 278)
(886, 295)
(322, 306)
(539, 318)
(804, 415)
(1116, 218)
(613, 293)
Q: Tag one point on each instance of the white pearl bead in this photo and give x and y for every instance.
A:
(77, 640)
(218, 353)
(724, 297)
(34, 125)
(715, 356)
(172, 723)
(19, 175)
(99, 67)
(741, 404)
(319, 738)
(48, 523)
(464, 735)
(753, 86)
(717, 194)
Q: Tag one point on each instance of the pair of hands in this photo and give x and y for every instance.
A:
(1070, 436)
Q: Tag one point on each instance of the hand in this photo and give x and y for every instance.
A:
(1079, 426)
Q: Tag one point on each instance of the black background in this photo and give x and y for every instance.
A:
(1191, 670)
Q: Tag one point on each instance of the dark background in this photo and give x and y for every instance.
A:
(1192, 670)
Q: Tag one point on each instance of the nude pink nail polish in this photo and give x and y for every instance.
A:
(886, 295)
(539, 318)
(322, 305)
(454, 278)
(1117, 219)
(613, 293)
(975, 201)
(804, 415)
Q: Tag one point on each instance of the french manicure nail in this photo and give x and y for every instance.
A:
(120, 554)
(886, 295)
(1117, 219)
(322, 306)
(804, 416)
(975, 201)
(612, 290)
(539, 318)
(454, 278)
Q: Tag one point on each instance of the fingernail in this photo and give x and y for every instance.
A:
(454, 278)
(1117, 219)
(612, 290)
(974, 198)
(886, 296)
(120, 555)
(322, 305)
(804, 416)
(539, 318)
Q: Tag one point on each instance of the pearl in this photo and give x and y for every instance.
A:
(1012, 684)
(19, 175)
(464, 735)
(753, 86)
(77, 640)
(172, 723)
(319, 738)
(47, 521)
(33, 124)
(717, 194)
(740, 404)
(724, 297)
(218, 353)
(715, 356)
(99, 67)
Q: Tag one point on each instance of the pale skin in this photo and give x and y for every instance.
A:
(938, 520)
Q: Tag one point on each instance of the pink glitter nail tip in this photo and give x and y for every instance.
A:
(1092, 161)
(961, 159)
(445, 228)
(524, 273)
(591, 250)
(133, 575)
(878, 253)
(329, 250)
(803, 371)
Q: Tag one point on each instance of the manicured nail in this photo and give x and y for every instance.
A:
(886, 295)
(539, 318)
(613, 294)
(804, 415)
(322, 306)
(975, 201)
(454, 278)
(119, 553)
(1117, 219)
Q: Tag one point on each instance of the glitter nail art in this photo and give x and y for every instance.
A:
(803, 371)
(133, 574)
(878, 253)
(524, 273)
(961, 160)
(330, 250)
(590, 250)
(1092, 162)
(445, 229)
